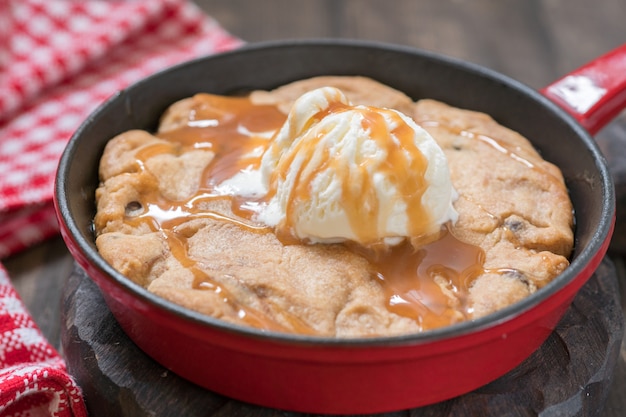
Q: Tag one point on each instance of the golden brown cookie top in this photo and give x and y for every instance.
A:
(515, 216)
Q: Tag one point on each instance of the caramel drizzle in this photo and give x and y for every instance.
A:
(202, 281)
(166, 220)
(490, 141)
(429, 284)
(359, 198)
(206, 126)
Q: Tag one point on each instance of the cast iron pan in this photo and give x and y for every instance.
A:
(324, 375)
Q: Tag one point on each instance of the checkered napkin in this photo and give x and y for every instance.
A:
(33, 381)
(59, 59)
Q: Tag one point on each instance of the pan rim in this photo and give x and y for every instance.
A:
(592, 252)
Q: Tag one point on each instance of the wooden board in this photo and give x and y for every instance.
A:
(569, 375)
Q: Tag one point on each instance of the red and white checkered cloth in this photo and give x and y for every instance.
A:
(59, 59)
(33, 380)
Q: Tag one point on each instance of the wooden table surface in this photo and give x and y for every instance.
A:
(533, 41)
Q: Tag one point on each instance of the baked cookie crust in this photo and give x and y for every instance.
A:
(512, 205)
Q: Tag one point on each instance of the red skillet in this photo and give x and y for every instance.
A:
(322, 375)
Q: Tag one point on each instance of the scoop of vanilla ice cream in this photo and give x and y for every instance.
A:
(337, 172)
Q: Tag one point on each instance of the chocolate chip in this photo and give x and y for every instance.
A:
(514, 225)
(516, 274)
(134, 208)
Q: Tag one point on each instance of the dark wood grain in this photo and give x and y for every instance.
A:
(533, 41)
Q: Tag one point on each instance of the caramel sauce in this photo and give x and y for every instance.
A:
(203, 281)
(233, 128)
(493, 143)
(404, 163)
(408, 171)
(429, 283)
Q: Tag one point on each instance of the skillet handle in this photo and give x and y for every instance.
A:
(594, 93)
